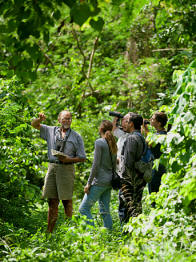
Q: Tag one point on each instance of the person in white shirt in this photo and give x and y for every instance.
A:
(121, 135)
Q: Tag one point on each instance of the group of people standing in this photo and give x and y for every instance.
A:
(108, 155)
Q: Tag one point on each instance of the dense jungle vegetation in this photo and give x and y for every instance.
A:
(92, 57)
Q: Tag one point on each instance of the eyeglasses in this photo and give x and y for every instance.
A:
(66, 119)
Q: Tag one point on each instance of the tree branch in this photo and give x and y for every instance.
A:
(81, 51)
(92, 56)
(171, 49)
(46, 56)
(84, 58)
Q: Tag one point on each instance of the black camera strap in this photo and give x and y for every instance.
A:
(110, 156)
(64, 140)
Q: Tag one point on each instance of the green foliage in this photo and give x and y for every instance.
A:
(25, 26)
(163, 235)
(61, 59)
(91, 57)
(18, 155)
(183, 133)
(73, 239)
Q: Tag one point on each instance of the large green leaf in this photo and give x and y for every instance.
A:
(97, 24)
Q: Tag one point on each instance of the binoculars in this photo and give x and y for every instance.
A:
(116, 114)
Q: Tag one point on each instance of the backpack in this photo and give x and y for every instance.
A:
(144, 165)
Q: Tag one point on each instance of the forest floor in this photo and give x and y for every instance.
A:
(72, 240)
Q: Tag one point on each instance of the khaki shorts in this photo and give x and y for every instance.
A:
(59, 182)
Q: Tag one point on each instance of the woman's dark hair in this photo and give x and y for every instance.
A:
(136, 119)
(106, 128)
(161, 117)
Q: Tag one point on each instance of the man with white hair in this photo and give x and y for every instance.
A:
(65, 147)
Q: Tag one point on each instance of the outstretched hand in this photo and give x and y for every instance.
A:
(42, 117)
(36, 123)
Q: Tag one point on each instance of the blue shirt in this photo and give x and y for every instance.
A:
(74, 146)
